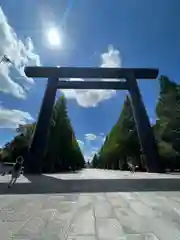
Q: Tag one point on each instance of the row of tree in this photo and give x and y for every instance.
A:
(122, 145)
(62, 152)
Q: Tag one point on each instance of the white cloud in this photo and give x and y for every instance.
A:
(91, 98)
(88, 155)
(87, 158)
(81, 145)
(111, 58)
(11, 118)
(95, 149)
(90, 136)
(91, 146)
(101, 138)
(21, 54)
(80, 142)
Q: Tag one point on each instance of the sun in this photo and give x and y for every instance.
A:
(53, 37)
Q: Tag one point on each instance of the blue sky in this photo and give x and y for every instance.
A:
(122, 33)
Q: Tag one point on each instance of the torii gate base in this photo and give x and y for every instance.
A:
(33, 163)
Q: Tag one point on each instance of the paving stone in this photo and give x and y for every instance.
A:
(152, 200)
(82, 238)
(90, 216)
(108, 229)
(118, 201)
(56, 227)
(103, 210)
(83, 222)
(4, 202)
(30, 237)
(86, 200)
(33, 227)
(163, 229)
(9, 215)
(129, 196)
(147, 236)
(101, 197)
(8, 229)
(131, 222)
(142, 210)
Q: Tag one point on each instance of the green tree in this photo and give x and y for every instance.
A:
(63, 151)
(122, 141)
(18, 146)
(167, 127)
(94, 162)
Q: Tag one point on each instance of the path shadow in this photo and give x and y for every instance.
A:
(44, 184)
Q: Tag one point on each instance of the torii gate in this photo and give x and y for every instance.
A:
(33, 163)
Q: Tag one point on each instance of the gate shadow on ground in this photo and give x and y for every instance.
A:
(48, 184)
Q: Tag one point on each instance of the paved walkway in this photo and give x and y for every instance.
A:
(91, 205)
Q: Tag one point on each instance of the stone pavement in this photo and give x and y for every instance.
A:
(91, 205)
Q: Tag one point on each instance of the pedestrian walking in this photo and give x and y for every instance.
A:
(16, 171)
(131, 167)
(1, 166)
(2, 173)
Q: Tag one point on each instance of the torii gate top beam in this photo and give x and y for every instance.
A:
(87, 72)
(147, 141)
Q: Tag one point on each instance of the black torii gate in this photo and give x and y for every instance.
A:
(33, 163)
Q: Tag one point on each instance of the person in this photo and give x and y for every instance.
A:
(16, 171)
(131, 167)
(2, 168)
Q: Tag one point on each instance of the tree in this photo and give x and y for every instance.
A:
(122, 141)
(18, 146)
(62, 151)
(167, 127)
(94, 162)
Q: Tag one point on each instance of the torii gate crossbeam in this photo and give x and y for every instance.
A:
(33, 163)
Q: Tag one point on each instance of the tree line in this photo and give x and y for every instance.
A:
(122, 146)
(62, 152)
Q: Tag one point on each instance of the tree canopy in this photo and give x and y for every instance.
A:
(122, 144)
(62, 152)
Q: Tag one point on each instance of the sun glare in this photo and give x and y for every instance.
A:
(54, 37)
